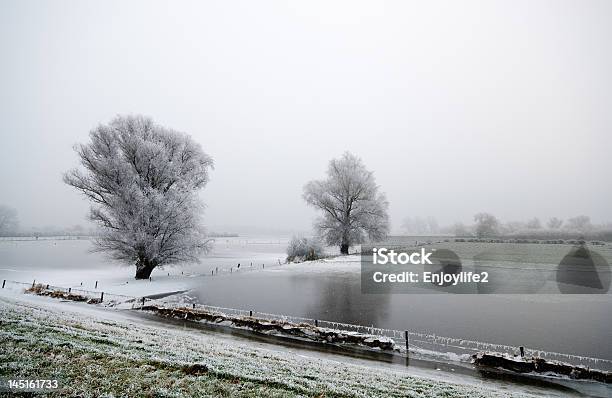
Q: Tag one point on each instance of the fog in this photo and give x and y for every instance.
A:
(458, 107)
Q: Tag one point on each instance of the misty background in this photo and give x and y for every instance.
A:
(457, 107)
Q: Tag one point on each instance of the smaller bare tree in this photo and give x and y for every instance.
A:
(353, 209)
(579, 224)
(486, 225)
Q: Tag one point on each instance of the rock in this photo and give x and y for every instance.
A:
(539, 365)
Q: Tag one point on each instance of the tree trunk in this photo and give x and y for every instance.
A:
(344, 248)
(144, 269)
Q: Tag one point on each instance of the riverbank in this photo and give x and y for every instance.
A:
(71, 263)
(94, 355)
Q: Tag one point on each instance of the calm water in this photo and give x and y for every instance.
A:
(575, 324)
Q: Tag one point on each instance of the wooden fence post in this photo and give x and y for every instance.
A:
(96, 285)
(101, 296)
(3, 283)
(407, 344)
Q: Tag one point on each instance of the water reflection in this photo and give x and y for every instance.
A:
(508, 319)
(343, 302)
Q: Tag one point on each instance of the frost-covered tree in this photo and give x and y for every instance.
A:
(9, 222)
(579, 224)
(143, 179)
(554, 223)
(353, 209)
(486, 225)
(534, 223)
(301, 248)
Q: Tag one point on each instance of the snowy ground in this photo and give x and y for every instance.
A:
(96, 352)
(70, 263)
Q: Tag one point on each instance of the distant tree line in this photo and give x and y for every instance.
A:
(421, 226)
(486, 225)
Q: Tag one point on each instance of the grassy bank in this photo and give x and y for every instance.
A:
(94, 356)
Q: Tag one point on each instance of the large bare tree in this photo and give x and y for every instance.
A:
(143, 180)
(353, 209)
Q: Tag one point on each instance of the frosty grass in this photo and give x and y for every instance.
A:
(92, 356)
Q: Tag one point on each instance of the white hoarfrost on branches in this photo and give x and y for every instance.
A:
(353, 209)
(487, 225)
(143, 181)
(304, 249)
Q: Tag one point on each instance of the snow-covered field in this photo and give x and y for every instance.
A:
(104, 352)
(70, 263)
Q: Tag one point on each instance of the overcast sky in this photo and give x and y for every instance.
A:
(458, 107)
